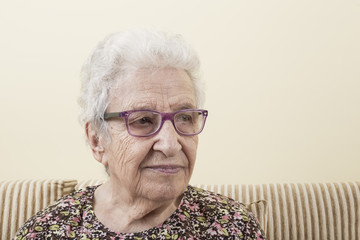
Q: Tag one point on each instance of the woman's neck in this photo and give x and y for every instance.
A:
(121, 212)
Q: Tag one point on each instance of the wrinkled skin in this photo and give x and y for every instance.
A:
(139, 188)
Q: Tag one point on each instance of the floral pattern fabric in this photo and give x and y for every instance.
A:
(200, 215)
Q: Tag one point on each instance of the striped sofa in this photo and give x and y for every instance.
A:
(285, 211)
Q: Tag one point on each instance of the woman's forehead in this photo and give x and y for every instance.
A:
(165, 88)
(175, 103)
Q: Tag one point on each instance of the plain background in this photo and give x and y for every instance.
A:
(282, 77)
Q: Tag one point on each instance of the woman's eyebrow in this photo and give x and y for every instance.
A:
(142, 106)
(185, 106)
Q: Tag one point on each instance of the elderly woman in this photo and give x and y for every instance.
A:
(140, 101)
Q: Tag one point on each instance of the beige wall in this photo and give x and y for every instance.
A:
(283, 85)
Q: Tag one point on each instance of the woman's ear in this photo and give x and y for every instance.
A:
(96, 142)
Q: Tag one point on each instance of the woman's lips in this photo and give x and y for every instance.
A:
(167, 169)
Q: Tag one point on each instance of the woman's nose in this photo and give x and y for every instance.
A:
(167, 140)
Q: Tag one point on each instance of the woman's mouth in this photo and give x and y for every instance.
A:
(166, 169)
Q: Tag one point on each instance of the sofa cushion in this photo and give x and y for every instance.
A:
(260, 209)
(21, 199)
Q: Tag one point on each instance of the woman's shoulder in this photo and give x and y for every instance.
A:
(223, 215)
(54, 220)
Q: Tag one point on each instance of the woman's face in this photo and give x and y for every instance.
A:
(156, 167)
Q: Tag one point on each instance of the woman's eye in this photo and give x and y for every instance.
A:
(185, 118)
(143, 120)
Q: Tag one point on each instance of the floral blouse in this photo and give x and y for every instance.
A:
(200, 215)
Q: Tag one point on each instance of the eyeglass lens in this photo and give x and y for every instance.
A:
(145, 123)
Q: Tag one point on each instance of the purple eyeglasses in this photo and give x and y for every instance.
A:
(144, 123)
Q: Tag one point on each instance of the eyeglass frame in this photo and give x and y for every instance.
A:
(164, 117)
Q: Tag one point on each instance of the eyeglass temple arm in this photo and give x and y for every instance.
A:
(112, 115)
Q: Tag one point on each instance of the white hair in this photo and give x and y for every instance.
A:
(121, 54)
